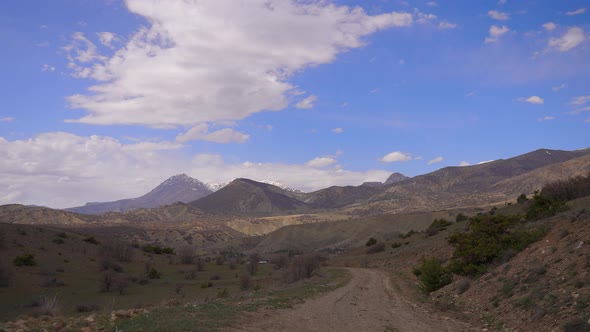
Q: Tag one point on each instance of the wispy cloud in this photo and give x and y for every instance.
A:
(496, 15)
(435, 160)
(550, 26)
(495, 33)
(307, 103)
(576, 12)
(7, 119)
(546, 118)
(558, 87)
(338, 130)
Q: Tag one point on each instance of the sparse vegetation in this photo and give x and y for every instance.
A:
(187, 254)
(489, 238)
(396, 245)
(432, 275)
(154, 249)
(24, 260)
(302, 267)
(408, 234)
(371, 242)
(440, 224)
(154, 274)
(253, 261)
(91, 240)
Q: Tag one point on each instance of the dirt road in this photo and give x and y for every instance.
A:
(366, 303)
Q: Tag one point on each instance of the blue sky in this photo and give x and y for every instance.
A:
(104, 99)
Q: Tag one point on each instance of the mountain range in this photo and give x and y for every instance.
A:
(450, 187)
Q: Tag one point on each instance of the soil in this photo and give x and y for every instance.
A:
(366, 303)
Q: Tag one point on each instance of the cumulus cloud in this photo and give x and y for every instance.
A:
(495, 33)
(435, 160)
(64, 170)
(307, 103)
(215, 61)
(396, 156)
(108, 39)
(550, 26)
(464, 163)
(576, 12)
(7, 119)
(496, 15)
(546, 118)
(338, 130)
(572, 38)
(532, 100)
(320, 162)
(201, 132)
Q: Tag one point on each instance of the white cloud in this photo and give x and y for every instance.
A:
(445, 25)
(47, 67)
(550, 26)
(559, 87)
(587, 120)
(580, 100)
(376, 90)
(401, 62)
(495, 33)
(108, 39)
(576, 12)
(485, 162)
(572, 38)
(7, 119)
(496, 15)
(396, 156)
(201, 132)
(215, 61)
(307, 103)
(320, 162)
(546, 118)
(64, 170)
(432, 4)
(470, 94)
(338, 130)
(435, 160)
(464, 163)
(269, 127)
(501, 2)
(532, 100)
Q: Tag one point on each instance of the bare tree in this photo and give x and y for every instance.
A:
(187, 254)
(253, 261)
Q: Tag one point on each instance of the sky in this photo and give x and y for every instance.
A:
(104, 99)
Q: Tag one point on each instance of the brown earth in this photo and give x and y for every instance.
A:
(366, 303)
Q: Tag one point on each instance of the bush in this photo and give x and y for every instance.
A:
(489, 239)
(52, 282)
(432, 275)
(61, 235)
(544, 207)
(461, 217)
(440, 224)
(220, 260)
(187, 254)
(521, 199)
(408, 234)
(91, 240)
(24, 260)
(567, 190)
(378, 247)
(370, 242)
(396, 245)
(106, 282)
(86, 307)
(215, 276)
(154, 274)
(302, 267)
(245, 281)
(48, 306)
(119, 251)
(58, 240)
(253, 261)
(154, 249)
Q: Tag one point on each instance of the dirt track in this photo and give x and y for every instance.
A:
(366, 303)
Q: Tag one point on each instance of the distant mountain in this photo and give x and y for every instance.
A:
(21, 214)
(248, 197)
(179, 188)
(484, 183)
(395, 178)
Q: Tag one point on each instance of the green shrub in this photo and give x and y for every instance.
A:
(153, 249)
(370, 242)
(521, 199)
(461, 217)
(490, 238)
(408, 234)
(91, 240)
(432, 275)
(61, 235)
(577, 325)
(440, 224)
(58, 240)
(24, 260)
(154, 274)
(396, 245)
(544, 207)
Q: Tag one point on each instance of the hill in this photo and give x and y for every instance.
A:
(179, 188)
(248, 197)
